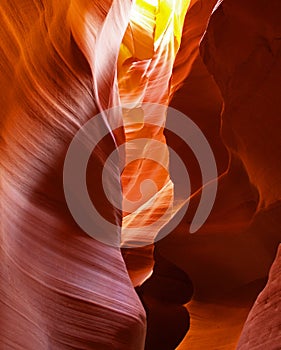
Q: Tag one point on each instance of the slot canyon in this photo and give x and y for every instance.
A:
(140, 174)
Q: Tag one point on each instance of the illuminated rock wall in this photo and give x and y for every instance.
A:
(60, 288)
(62, 63)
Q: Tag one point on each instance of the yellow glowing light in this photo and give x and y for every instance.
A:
(144, 69)
(151, 41)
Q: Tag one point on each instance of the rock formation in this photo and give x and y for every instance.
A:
(65, 63)
(60, 288)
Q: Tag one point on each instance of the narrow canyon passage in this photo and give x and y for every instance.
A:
(124, 125)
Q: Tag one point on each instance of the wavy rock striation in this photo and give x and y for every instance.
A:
(60, 288)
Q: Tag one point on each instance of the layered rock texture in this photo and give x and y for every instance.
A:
(60, 288)
(118, 285)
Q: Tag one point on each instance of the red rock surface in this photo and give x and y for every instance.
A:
(262, 329)
(60, 288)
(228, 260)
(62, 62)
(248, 78)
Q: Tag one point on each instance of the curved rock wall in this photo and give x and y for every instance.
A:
(64, 62)
(55, 279)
